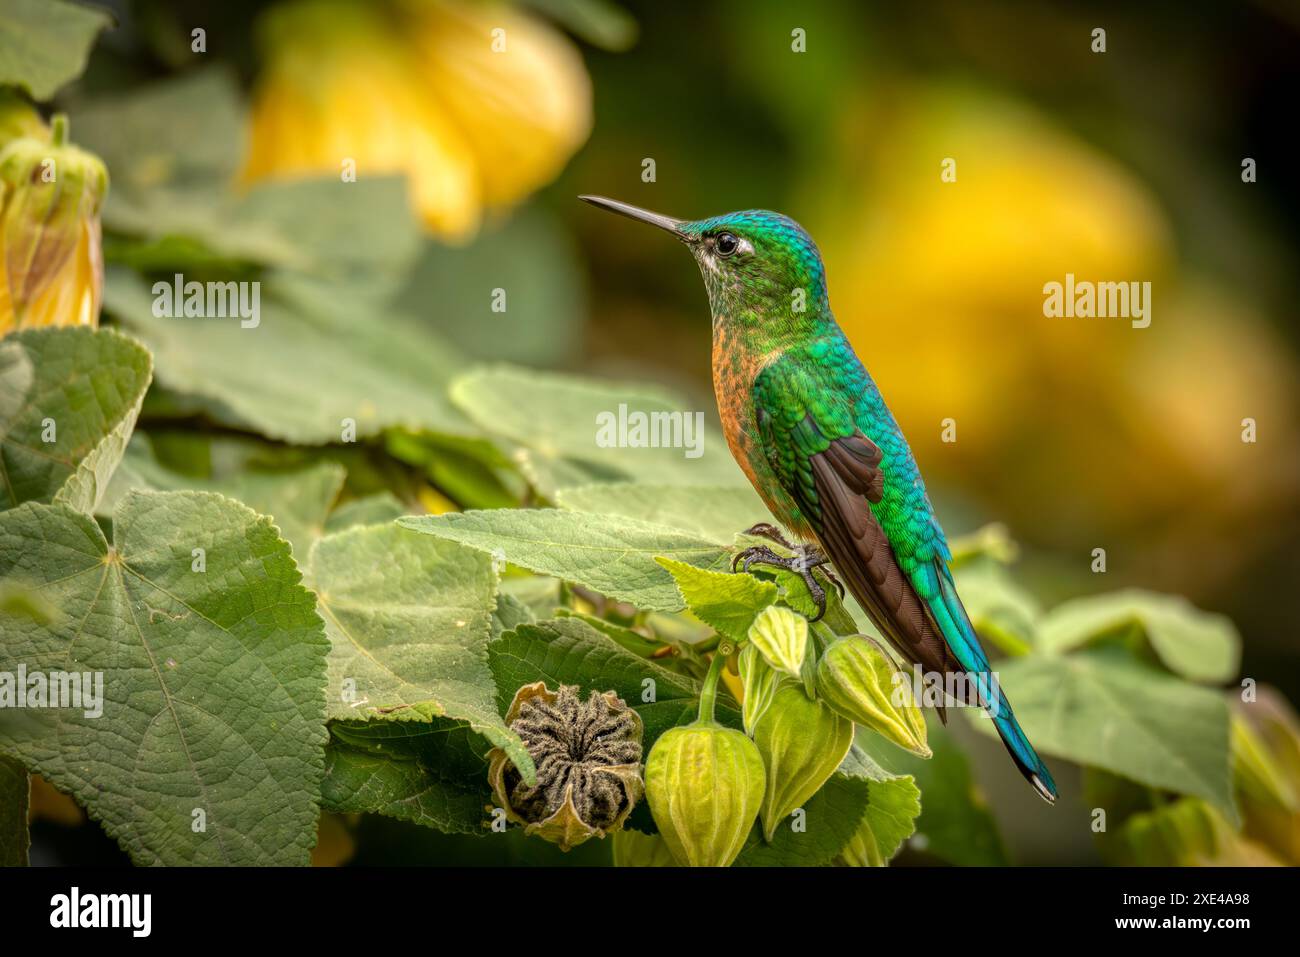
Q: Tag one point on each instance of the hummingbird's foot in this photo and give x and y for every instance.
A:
(801, 563)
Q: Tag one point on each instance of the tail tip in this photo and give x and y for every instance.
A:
(1046, 789)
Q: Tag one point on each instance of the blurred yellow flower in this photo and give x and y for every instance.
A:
(476, 105)
(940, 285)
(51, 262)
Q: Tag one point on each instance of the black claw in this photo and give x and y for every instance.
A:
(801, 563)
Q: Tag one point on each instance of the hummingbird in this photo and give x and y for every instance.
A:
(810, 429)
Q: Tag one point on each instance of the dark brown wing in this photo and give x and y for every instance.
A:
(846, 478)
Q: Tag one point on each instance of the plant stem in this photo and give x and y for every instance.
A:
(58, 129)
(709, 693)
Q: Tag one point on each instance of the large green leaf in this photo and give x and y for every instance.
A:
(81, 387)
(14, 790)
(213, 676)
(319, 356)
(409, 618)
(555, 420)
(715, 513)
(531, 259)
(297, 500)
(614, 556)
(1104, 709)
(44, 44)
(430, 773)
(1190, 642)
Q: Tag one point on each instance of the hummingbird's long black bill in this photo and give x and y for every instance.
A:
(636, 212)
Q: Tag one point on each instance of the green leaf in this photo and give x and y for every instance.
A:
(831, 818)
(530, 256)
(173, 147)
(345, 363)
(44, 44)
(296, 500)
(84, 385)
(14, 790)
(510, 613)
(212, 680)
(557, 422)
(633, 641)
(714, 513)
(893, 804)
(955, 824)
(614, 556)
(724, 601)
(377, 509)
(999, 609)
(409, 620)
(569, 651)
(430, 773)
(1196, 644)
(1104, 709)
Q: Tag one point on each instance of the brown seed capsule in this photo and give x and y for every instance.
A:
(588, 759)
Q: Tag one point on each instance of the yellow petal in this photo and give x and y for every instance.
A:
(340, 86)
(517, 90)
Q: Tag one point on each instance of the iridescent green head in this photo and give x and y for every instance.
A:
(761, 268)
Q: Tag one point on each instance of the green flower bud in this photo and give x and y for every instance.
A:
(802, 742)
(781, 636)
(18, 119)
(51, 264)
(857, 679)
(704, 783)
(759, 681)
(588, 759)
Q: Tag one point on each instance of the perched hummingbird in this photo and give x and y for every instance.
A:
(808, 426)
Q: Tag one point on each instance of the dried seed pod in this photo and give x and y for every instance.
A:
(781, 636)
(705, 786)
(859, 681)
(588, 759)
(802, 742)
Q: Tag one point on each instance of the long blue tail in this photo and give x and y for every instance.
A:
(960, 634)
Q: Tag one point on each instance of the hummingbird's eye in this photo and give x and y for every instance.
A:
(726, 244)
